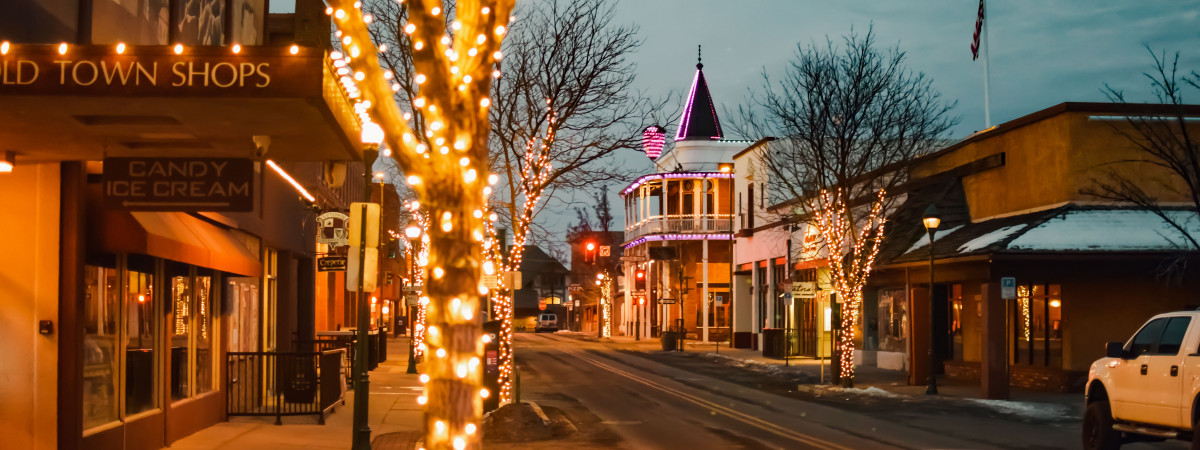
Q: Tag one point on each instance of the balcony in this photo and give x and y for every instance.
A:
(681, 224)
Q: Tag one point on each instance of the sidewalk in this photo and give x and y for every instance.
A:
(394, 417)
(867, 380)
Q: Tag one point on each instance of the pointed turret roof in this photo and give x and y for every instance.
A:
(699, 119)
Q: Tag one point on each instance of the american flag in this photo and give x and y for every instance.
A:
(978, 30)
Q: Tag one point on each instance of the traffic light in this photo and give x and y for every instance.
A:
(639, 279)
(589, 254)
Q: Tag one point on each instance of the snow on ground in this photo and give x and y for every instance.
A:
(1111, 230)
(870, 391)
(1028, 410)
(989, 238)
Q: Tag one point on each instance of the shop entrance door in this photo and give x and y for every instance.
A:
(806, 327)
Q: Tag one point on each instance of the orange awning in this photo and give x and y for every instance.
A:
(175, 236)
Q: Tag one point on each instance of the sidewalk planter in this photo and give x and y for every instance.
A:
(670, 341)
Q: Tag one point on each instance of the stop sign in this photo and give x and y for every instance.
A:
(542, 304)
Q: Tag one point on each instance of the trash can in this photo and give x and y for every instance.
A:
(669, 341)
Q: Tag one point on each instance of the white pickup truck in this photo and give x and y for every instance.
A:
(1146, 388)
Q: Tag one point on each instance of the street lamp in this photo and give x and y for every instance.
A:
(932, 221)
(412, 232)
(372, 137)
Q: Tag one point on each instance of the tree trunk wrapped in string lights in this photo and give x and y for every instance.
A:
(852, 243)
(535, 172)
(454, 103)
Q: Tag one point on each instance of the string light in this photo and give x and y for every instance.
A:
(852, 254)
(451, 409)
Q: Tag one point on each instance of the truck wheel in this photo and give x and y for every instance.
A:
(1098, 433)
(1196, 435)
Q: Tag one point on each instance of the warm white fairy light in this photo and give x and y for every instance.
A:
(860, 242)
(452, 112)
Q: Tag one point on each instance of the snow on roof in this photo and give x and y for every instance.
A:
(923, 240)
(1111, 230)
(989, 238)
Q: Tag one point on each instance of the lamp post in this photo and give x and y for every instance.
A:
(372, 137)
(413, 233)
(931, 220)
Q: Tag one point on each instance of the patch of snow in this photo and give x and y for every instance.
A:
(1110, 230)
(871, 392)
(924, 239)
(989, 238)
(1029, 410)
(563, 332)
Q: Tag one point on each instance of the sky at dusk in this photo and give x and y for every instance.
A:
(1042, 52)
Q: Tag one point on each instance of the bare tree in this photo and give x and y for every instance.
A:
(1166, 145)
(559, 113)
(850, 115)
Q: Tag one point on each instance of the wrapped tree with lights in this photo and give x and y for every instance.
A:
(850, 116)
(448, 177)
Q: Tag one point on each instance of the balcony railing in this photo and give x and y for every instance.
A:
(683, 224)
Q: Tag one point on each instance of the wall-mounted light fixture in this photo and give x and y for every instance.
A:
(10, 160)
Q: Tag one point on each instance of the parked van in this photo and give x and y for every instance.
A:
(546, 322)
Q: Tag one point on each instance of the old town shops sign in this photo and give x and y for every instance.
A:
(179, 184)
(157, 71)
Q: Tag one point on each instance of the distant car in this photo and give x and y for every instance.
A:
(1147, 388)
(546, 322)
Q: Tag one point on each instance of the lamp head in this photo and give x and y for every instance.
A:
(930, 218)
(372, 134)
(413, 230)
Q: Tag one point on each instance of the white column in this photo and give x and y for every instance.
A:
(704, 290)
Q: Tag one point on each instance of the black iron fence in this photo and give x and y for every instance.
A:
(284, 384)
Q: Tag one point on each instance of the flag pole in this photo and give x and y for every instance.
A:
(987, 108)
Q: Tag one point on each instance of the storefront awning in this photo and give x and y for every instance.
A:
(175, 236)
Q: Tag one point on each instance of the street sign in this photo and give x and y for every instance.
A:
(491, 281)
(1008, 288)
(788, 299)
(639, 293)
(411, 299)
(804, 289)
(666, 301)
(331, 229)
(417, 288)
(605, 250)
(633, 258)
(367, 273)
(331, 264)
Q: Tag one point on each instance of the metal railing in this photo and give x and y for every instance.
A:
(284, 384)
(698, 223)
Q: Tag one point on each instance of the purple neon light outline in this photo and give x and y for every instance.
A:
(687, 109)
(679, 237)
(674, 175)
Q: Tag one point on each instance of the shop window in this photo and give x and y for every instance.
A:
(893, 320)
(954, 317)
(180, 329)
(761, 289)
(777, 277)
(204, 332)
(1037, 325)
(718, 309)
(141, 335)
(101, 309)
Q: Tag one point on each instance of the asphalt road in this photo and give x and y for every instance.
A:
(621, 400)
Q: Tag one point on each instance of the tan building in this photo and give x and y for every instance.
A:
(1014, 204)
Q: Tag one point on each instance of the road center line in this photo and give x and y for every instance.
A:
(731, 413)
